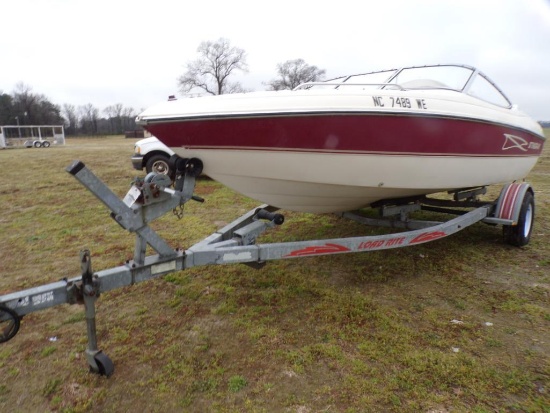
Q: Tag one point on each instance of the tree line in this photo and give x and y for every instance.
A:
(24, 107)
(210, 73)
(87, 119)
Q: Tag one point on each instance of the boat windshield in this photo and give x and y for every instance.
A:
(463, 79)
(459, 78)
(371, 80)
(433, 77)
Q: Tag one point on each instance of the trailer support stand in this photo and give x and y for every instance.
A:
(98, 361)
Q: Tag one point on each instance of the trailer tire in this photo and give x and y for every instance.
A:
(45, 144)
(9, 324)
(520, 234)
(37, 144)
(104, 364)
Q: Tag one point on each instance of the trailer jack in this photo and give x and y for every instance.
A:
(90, 289)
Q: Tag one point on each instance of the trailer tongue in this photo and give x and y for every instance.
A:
(155, 195)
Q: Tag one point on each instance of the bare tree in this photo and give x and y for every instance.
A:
(31, 108)
(128, 116)
(24, 102)
(114, 113)
(293, 73)
(7, 116)
(211, 71)
(118, 108)
(71, 118)
(89, 116)
(109, 111)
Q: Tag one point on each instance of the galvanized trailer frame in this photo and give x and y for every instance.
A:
(156, 195)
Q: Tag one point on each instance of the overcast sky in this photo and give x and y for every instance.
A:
(132, 51)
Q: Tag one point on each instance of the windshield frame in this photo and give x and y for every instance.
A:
(393, 74)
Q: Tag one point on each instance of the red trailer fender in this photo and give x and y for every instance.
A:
(510, 201)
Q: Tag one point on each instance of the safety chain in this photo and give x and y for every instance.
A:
(178, 211)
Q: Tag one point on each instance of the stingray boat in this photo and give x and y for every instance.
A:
(347, 143)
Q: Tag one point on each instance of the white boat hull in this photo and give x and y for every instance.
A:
(344, 182)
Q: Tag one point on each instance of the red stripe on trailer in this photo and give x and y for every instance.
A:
(427, 236)
(322, 249)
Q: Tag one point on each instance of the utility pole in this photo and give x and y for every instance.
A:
(18, 128)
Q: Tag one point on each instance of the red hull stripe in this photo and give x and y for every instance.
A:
(349, 133)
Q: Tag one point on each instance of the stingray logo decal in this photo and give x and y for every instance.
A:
(514, 142)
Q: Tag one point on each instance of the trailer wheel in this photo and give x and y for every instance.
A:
(9, 323)
(104, 364)
(520, 234)
(37, 144)
(45, 144)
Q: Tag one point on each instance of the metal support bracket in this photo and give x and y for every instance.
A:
(145, 201)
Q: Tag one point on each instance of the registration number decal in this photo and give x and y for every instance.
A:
(399, 102)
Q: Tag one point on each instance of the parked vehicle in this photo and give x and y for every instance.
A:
(151, 154)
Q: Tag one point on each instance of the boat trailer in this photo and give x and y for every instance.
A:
(156, 194)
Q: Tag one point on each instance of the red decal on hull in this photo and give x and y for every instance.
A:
(427, 236)
(323, 249)
(357, 133)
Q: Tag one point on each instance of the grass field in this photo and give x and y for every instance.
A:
(457, 325)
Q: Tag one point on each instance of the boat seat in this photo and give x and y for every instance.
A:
(424, 84)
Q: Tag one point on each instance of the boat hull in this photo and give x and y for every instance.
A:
(344, 182)
(343, 161)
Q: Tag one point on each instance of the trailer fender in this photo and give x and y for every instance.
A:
(510, 201)
(516, 203)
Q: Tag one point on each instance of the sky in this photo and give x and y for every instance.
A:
(132, 52)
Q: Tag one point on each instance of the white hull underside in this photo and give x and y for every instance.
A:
(332, 182)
